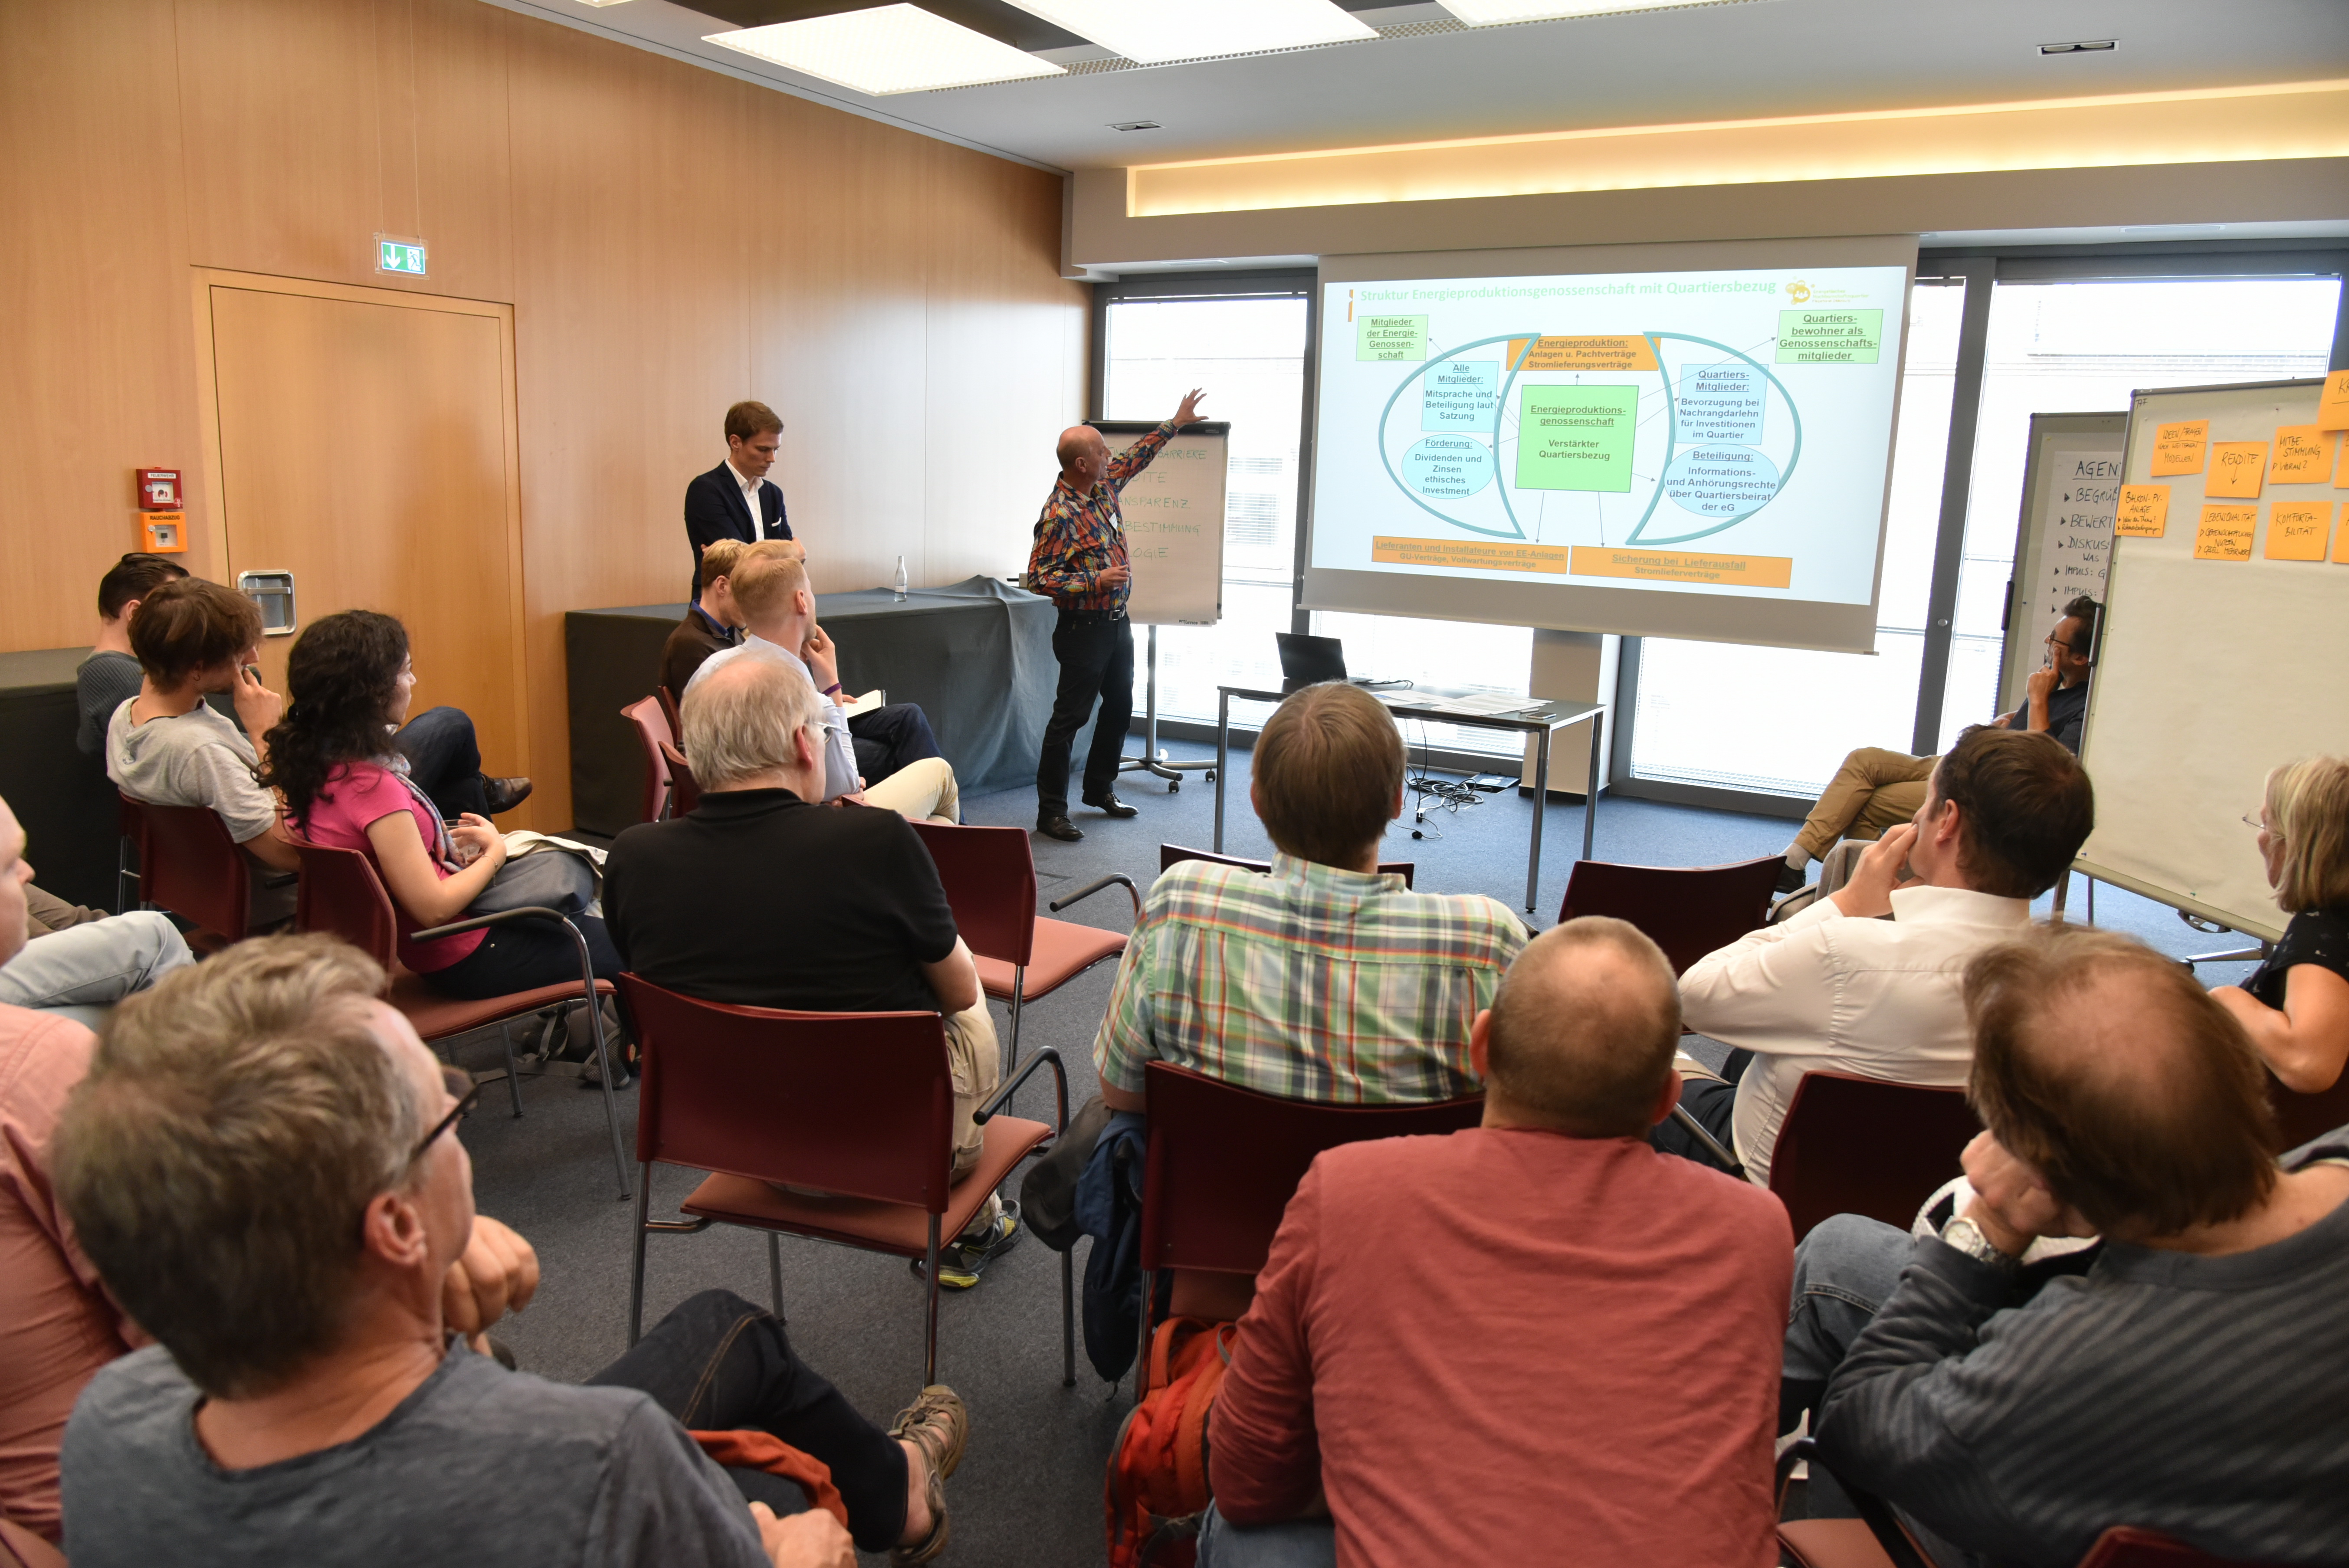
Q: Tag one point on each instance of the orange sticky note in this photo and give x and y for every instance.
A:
(2341, 470)
(2341, 543)
(2296, 532)
(2302, 456)
(2178, 448)
(2226, 532)
(2143, 512)
(2235, 469)
(2332, 403)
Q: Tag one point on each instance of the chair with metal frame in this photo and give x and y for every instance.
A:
(1687, 910)
(192, 868)
(128, 826)
(989, 876)
(341, 894)
(1223, 1163)
(654, 731)
(1173, 854)
(859, 1106)
(1854, 1145)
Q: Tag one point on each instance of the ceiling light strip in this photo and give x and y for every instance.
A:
(1157, 31)
(886, 50)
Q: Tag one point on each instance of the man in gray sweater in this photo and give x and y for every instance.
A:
(2193, 1380)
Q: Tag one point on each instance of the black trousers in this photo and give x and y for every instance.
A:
(890, 736)
(718, 1364)
(523, 954)
(1096, 656)
(1713, 1104)
(444, 759)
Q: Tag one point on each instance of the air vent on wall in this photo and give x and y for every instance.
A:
(2085, 47)
(1137, 124)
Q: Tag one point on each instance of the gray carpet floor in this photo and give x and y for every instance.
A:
(1030, 1489)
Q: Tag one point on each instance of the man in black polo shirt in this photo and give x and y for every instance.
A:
(764, 897)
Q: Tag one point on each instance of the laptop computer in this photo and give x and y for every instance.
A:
(1307, 661)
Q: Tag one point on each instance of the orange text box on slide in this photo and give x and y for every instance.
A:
(2303, 456)
(2225, 533)
(2297, 530)
(1684, 566)
(1584, 352)
(2144, 512)
(1469, 555)
(2180, 448)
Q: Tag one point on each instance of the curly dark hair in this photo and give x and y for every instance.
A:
(339, 682)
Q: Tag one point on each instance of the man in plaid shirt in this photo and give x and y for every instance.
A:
(1326, 980)
(1080, 560)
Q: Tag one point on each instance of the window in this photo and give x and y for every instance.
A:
(1250, 354)
(2083, 348)
(1780, 719)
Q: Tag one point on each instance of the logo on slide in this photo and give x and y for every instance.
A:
(1798, 293)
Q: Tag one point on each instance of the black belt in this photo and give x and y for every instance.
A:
(1091, 617)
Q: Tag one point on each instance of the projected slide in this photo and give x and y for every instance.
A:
(1709, 432)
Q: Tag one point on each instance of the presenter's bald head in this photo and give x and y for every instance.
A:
(1082, 454)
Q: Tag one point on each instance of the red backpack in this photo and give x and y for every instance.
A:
(1157, 1483)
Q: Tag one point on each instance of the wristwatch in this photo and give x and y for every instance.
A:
(1967, 1237)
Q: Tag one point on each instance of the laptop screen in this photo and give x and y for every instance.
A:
(1305, 661)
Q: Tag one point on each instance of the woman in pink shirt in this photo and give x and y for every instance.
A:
(350, 680)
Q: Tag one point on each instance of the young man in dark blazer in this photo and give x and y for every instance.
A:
(736, 500)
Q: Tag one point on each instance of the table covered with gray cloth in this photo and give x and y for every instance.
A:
(977, 656)
(64, 800)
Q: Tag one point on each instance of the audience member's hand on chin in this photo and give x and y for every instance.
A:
(497, 1274)
(2012, 1203)
(821, 657)
(811, 1539)
(1880, 869)
(257, 708)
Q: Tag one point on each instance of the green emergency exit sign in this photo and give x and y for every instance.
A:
(398, 255)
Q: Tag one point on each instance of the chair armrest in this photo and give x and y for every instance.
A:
(1117, 878)
(1002, 1097)
(1873, 1510)
(1729, 1161)
(528, 912)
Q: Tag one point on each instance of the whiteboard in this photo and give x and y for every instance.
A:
(2064, 536)
(1174, 512)
(2214, 670)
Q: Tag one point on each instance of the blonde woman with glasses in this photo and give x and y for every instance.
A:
(2296, 1004)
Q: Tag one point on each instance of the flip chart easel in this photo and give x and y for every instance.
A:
(1174, 512)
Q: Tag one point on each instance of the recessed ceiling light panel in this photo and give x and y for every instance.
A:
(1153, 31)
(888, 49)
(1494, 13)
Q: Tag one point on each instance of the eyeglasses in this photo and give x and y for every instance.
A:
(460, 1083)
(2255, 819)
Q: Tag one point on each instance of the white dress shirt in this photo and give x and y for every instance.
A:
(750, 489)
(1825, 992)
(839, 752)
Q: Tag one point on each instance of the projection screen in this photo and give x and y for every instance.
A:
(1662, 440)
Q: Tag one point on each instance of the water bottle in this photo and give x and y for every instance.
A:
(901, 579)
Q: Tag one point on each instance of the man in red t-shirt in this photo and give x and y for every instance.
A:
(1538, 1340)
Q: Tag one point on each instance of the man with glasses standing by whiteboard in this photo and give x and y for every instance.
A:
(1079, 561)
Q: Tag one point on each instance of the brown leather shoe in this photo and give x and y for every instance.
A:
(503, 794)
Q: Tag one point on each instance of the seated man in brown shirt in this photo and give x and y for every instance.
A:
(713, 620)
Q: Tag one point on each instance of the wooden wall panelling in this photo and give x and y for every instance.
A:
(101, 373)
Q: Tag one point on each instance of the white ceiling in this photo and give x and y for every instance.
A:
(1744, 59)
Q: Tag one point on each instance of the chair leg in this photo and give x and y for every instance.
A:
(1067, 1320)
(513, 1078)
(775, 1271)
(611, 1101)
(636, 1276)
(930, 1337)
(1019, 986)
(1141, 1347)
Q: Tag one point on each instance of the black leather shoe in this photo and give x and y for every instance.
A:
(1111, 806)
(1792, 879)
(503, 794)
(1060, 828)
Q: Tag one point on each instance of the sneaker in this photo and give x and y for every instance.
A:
(959, 1265)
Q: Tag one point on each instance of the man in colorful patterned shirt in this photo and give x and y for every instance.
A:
(1080, 560)
(1326, 980)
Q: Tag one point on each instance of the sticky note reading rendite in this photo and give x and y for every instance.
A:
(2235, 469)
(2226, 532)
(2302, 456)
(2180, 448)
(2297, 530)
(2143, 512)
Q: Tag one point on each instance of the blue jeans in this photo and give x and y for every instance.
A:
(1294, 1543)
(444, 759)
(83, 970)
(1842, 1272)
(886, 738)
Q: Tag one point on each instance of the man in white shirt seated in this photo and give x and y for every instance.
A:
(771, 591)
(1841, 988)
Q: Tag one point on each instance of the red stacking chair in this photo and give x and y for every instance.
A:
(1169, 854)
(1224, 1161)
(989, 876)
(1860, 1146)
(655, 732)
(126, 852)
(189, 866)
(2302, 1117)
(342, 895)
(857, 1105)
(667, 699)
(1687, 910)
(684, 794)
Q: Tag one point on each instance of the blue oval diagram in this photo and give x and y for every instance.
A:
(1448, 468)
(1719, 481)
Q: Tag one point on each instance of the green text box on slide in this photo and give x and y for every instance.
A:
(1830, 336)
(1391, 338)
(1576, 438)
